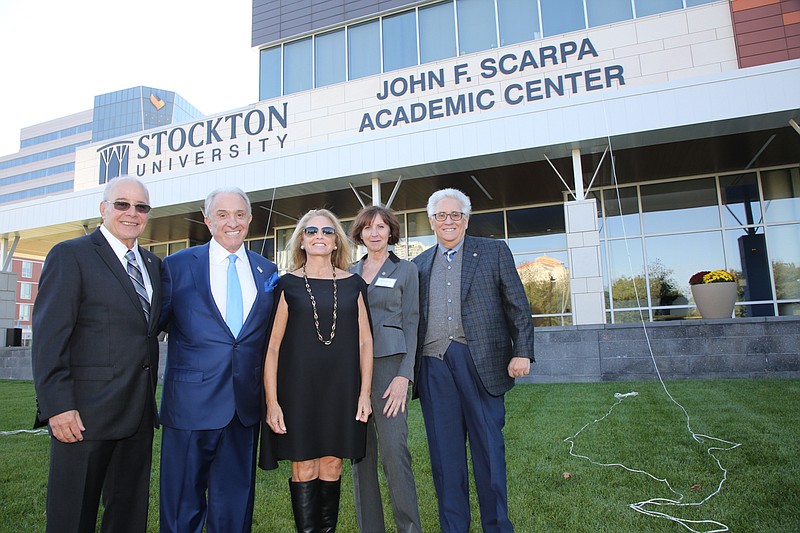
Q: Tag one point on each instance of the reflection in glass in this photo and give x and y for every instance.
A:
(519, 21)
(784, 253)
(602, 12)
(746, 257)
(626, 202)
(488, 225)
(297, 66)
(437, 32)
(680, 205)
(420, 234)
(740, 202)
(364, 49)
(651, 7)
(545, 278)
(329, 62)
(562, 16)
(781, 194)
(626, 266)
(673, 259)
(536, 229)
(269, 85)
(476, 25)
(399, 41)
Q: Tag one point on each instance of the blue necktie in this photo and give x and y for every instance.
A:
(448, 254)
(233, 305)
(135, 273)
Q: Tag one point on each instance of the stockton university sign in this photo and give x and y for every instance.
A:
(210, 140)
(456, 88)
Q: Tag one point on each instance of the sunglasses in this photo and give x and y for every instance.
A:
(326, 230)
(124, 206)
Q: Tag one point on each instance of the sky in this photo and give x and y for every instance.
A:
(56, 55)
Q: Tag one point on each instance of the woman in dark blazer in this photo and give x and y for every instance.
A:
(394, 306)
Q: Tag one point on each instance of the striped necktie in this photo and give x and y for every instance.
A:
(448, 254)
(138, 283)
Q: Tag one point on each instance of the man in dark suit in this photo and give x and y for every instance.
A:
(95, 363)
(218, 309)
(475, 337)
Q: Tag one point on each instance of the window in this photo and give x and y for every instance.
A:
(519, 21)
(437, 34)
(602, 12)
(477, 29)
(680, 205)
(329, 61)
(297, 66)
(269, 73)
(399, 41)
(364, 50)
(27, 269)
(24, 291)
(651, 7)
(562, 16)
(24, 313)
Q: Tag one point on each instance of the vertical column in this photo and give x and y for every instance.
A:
(585, 272)
(8, 307)
(376, 191)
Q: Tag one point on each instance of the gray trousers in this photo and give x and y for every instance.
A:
(390, 437)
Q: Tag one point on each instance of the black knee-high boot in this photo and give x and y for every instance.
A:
(329, 504)
(306, 505)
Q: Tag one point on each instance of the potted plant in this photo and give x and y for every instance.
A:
(714, 292)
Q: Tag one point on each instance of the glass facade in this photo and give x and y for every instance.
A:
(437, 31)
(136, 109)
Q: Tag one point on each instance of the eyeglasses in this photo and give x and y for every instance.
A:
(119, 205)
(455, 216)
(313, 230)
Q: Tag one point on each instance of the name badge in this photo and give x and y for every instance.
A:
(385, 282)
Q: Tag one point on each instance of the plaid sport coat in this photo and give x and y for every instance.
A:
(494, 309)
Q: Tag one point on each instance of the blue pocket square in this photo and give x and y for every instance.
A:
(269, 285)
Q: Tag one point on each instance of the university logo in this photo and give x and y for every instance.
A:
(157, 102)
(114, 160)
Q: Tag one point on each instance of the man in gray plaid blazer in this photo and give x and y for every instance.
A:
(475, 337)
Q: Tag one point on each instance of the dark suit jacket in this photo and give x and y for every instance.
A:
(211, 375)
(92, 349)
(494, 310)
(394, 312)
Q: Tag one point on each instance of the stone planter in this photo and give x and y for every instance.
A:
(715, 300)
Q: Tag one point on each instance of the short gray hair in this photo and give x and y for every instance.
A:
(455, 194)
(113, 182)
(223, 190)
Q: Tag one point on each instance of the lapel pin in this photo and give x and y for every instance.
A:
(474, 254)
(259, 269)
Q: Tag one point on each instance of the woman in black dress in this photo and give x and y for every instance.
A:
(318, 370)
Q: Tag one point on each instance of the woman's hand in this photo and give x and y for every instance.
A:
(396, 395)
(364, 408)
(275, 419)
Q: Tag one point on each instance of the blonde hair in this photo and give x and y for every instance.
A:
(341, 257)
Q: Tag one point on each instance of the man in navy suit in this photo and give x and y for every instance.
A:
(217, 307)
(95, 364)
(475, 337)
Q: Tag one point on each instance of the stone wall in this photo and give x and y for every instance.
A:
(727, 348)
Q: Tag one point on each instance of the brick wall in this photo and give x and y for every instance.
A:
(766, 31)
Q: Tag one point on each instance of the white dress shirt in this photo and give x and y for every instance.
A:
(218, 272)
(120, 250)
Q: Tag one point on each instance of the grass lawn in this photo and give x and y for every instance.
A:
(647, 432)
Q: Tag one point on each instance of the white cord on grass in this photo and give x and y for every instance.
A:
(28, 431)
(642, 507)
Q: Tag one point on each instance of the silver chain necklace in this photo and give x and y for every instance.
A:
(314, 306)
